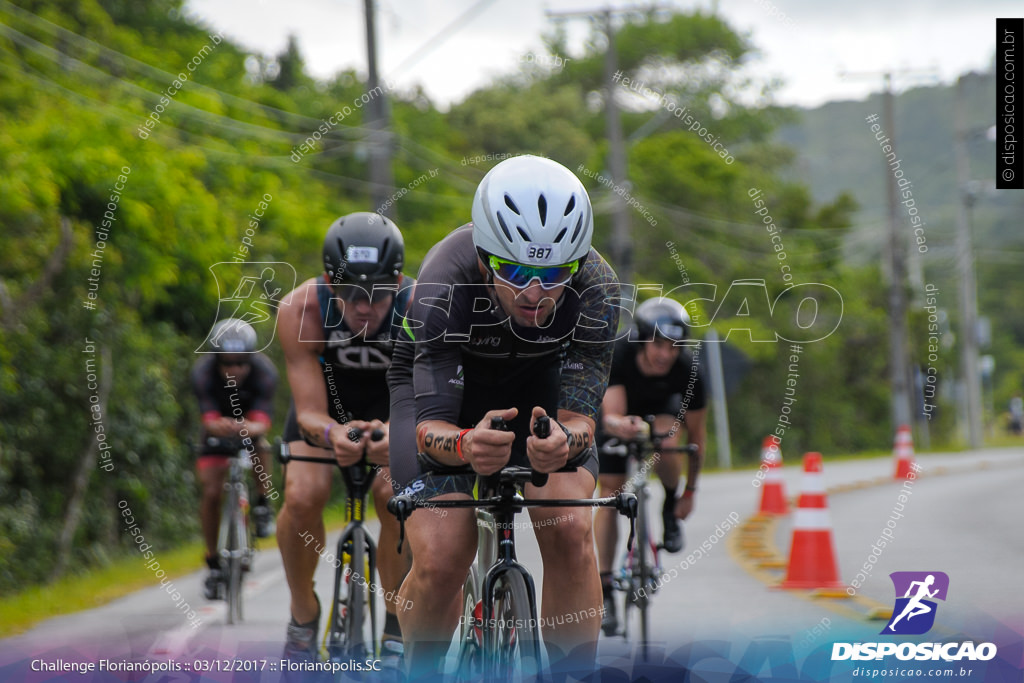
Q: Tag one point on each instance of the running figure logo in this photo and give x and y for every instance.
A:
(252, 293)
(914, 614)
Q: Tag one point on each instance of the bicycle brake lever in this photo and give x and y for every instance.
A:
(627, 505)
(542, 430)
(400, 507)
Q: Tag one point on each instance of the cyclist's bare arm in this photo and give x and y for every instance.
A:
(300, 314)
(486, 450)
(551, 453)
(220, 426)
(613, 414)
(696, 432)
(581, 431)
(255, 427)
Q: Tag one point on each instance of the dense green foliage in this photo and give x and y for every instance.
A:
(837, 150)
(75, 96)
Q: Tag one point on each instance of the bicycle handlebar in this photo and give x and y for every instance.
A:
(402, 506)
(541, 428)
(284, 453)
(621, 449)
(234, 443)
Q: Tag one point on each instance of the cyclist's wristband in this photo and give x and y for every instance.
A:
(327, 433)
(689, 491)
(568, 434)
(458, 444)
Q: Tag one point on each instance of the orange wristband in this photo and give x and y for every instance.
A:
(458, 444)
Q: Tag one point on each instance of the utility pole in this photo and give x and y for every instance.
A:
(718, 403)
(622, 245)
(899, 366)
(965, 271)
(621, 242)
(379, 141)
(899, 373)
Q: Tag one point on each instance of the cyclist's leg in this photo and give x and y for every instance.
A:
(571, 609)
(300, 526)
(443, 544)
(669, 466)
(261, 466)
(391, 565)
(211, 471)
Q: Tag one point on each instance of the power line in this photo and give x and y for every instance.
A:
(72, 37)
(439, 37)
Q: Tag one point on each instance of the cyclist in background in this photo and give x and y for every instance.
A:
(651, 376)
(337, 334)
(235, 388)
(514, 317)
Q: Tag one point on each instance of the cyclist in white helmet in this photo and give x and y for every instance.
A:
(514, 316)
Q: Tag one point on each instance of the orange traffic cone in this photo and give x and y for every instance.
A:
(773, 493)
(903, 450)
(812, 555)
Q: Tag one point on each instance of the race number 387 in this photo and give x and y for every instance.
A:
(537, 252)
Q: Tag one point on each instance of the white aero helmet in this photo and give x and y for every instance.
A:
(533, 211)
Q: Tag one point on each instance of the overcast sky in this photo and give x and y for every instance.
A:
(805, 43)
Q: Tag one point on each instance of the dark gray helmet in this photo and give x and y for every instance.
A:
(363, 247)
(232, 335)
(665, 317)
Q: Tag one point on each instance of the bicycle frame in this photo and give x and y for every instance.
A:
(496, 550)
(355, 541)
(344, 636)
(636, 576)
(235, 547)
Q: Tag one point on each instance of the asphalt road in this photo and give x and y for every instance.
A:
(963, 518)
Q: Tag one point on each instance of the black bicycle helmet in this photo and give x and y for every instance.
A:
(665, 317)
(363, 247)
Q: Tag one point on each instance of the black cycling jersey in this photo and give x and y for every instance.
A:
(355, 368)
(677, 392)
(469, 357)
(657, 395)
(218, 396)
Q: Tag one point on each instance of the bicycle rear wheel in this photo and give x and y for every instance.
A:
(512, 641)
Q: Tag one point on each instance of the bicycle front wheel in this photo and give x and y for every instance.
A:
(513, 639)
(232, 556)
(470, 665)
(644, 572)
(351, 632)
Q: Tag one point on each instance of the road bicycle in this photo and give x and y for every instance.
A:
(349, 634)
(236, 539)
(640, 566)
(499, 638)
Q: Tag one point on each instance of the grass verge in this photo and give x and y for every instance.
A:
(92, 588)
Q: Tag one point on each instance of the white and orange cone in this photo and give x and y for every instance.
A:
(812, 555)
(773, 493)
(903, 451)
